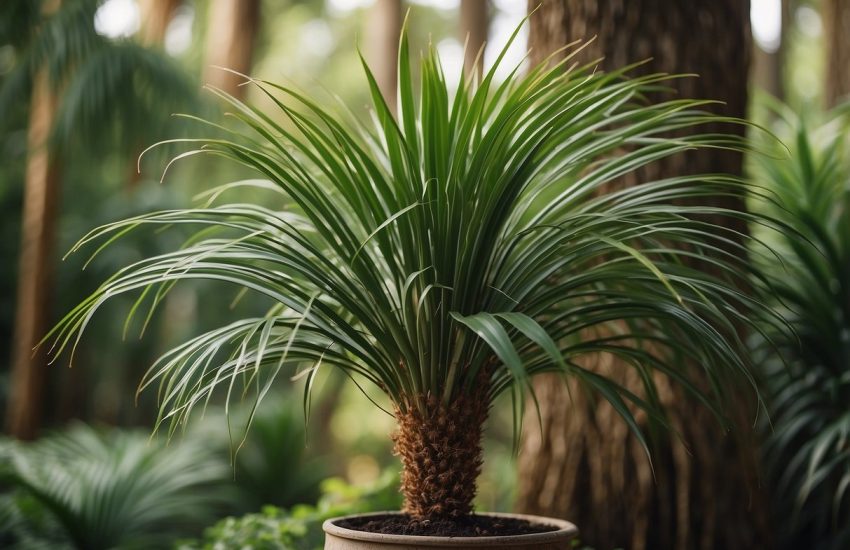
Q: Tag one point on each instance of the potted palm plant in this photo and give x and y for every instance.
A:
(447, 256)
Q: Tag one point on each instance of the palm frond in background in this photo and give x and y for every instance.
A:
(117, 94)
(808, 381)
(270, 464)
(85, 489)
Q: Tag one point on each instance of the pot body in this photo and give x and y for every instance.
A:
(339, 538)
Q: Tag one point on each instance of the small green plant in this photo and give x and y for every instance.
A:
(89, 490)
(300, 528)
(807, 383)
(449, 255)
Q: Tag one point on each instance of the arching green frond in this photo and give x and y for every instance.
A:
(479, 233)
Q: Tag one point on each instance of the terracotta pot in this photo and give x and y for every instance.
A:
(339, 538)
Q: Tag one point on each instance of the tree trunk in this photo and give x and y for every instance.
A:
(155, 16)
(837, 22)
(38, 235)
(769, 66)
(585, 465)
(233, 25)
(440, 451)
(474, 21)
(382, 38)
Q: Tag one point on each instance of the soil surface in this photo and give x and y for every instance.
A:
(469, 526)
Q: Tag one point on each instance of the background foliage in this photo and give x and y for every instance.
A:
(808, 381)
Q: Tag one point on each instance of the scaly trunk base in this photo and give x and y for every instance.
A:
(440, 451)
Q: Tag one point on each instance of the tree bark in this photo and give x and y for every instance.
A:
(155, 16)
(440, 452)
(38, 235)
(474, 21)
(233, 25)
(384, 28)
(585, 465)
(837, 22)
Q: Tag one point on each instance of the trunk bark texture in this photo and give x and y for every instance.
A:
(233, 26)
(384, 30)
(837, 22)
(474, 21)
(585, 465)
(35, 271)
(440, 451)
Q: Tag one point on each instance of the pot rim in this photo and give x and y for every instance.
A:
(565, 529)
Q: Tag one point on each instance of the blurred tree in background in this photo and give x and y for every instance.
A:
(837, 20)
(112, 97)
(232, 32)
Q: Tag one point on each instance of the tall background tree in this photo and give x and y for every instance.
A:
(769, 59)
(585, 465)
(82, 87)
(155, 17)
(41, 195)
(474, 22)
(231, 34)
(384, 27)
(837, 22)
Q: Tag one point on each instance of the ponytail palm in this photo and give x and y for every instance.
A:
(449, 255)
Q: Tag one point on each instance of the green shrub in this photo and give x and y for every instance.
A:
(300, 527)
(85, 489)
(807, 379)
(271, 465)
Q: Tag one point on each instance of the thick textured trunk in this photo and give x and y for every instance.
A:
(837, 21)
(35, 271)
(440, 451)
(585, 466)
(474, 21)
(385, 21)
(232, 28)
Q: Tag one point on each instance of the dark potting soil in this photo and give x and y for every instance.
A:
(470, 526)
